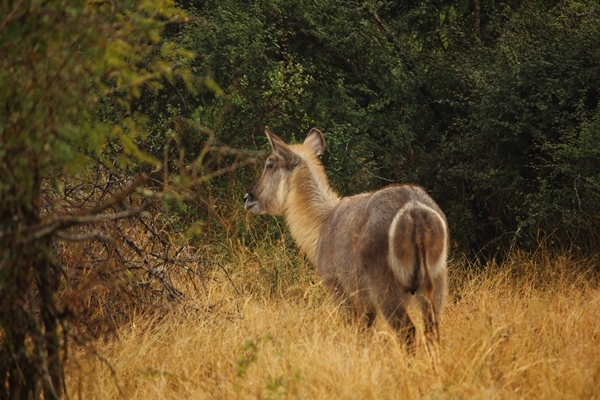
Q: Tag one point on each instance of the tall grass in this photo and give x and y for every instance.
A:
(262, 327)
(256, 322)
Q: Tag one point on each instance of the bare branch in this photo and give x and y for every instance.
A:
(238, 152)
(69, 221)
(93, 234)
(92, 215)
(118, 197)
(221, 171)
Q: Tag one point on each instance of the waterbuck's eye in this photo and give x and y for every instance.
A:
(270, 164)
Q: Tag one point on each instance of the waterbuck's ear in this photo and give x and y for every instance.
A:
(316, 141)
(280, 148)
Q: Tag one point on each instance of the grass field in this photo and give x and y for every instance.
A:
(529, 328)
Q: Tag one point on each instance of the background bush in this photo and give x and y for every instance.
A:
(492, 106)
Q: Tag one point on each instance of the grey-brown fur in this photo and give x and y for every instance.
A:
(376, 251)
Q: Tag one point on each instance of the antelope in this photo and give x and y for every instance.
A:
(375, 251)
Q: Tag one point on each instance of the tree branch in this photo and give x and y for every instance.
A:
(69, 221)
(118, 197)
(94, 234)
(13, 16)
(32, 233)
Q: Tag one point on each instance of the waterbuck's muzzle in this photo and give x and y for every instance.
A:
(249, 201)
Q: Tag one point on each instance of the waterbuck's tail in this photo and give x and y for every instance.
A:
(417, 254)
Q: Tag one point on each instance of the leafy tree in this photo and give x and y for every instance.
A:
(491, 105)
(70, 69)
(530, 96)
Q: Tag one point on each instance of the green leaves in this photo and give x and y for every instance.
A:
(69, 73)
(68, 63)
(476, 101)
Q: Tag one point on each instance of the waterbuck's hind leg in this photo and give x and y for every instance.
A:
(430, 241)
(417, 256)
(431, 299)
(431, 304)
(440, 282)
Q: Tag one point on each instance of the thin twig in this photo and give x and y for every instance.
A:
(84, 217)
(118, 197)
(10, 17)
(69, 221)
(93, 234)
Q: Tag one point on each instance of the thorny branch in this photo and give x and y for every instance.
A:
(36, 232)
(126, 264)
(93, 234)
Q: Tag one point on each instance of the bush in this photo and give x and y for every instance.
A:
(492, 106)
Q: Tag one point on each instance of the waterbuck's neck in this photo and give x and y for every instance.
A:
(308, 205)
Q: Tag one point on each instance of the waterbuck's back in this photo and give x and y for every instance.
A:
(376, 248)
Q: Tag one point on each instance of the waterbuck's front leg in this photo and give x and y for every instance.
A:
(356, 305)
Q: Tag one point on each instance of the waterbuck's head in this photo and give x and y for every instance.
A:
(270, 193)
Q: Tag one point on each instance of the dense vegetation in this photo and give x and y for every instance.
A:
(491, 105)
(69, 71)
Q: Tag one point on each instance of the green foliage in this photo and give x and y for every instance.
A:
(248, 358)
(70, 70)
(492, 106)
(531, 96)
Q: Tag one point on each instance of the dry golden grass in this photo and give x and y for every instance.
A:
(529, 328)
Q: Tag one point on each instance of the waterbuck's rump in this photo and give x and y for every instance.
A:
(378, 248)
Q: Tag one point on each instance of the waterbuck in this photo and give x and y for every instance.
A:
(375, 251)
